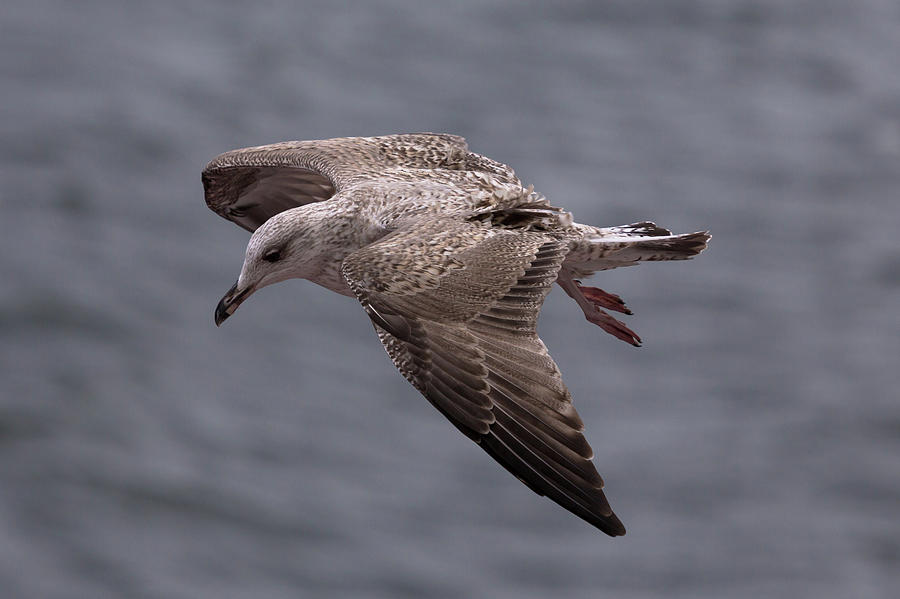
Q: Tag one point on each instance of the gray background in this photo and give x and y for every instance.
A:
(751, 447)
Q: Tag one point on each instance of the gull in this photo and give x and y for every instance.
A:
(451, 257)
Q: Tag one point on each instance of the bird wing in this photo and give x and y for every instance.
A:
(455, 305)
(249, 185)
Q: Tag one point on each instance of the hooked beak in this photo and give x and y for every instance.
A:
(230, 302)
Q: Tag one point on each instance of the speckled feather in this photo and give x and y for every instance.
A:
(451, 257)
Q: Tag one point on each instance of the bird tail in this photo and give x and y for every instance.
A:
(627, 245)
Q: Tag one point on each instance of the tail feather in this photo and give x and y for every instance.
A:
(614, 247)
(667, 247)
(641, 229)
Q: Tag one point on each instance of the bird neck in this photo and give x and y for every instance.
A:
(336, 231)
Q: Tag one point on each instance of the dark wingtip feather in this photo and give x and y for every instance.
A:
(612, 526)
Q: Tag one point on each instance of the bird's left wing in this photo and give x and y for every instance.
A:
(455, 305)
(249, 185)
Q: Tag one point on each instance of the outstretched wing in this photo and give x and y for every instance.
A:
(250, 185)
(455, 304)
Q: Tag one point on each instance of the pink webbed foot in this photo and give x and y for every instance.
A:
(603, 299)
(614, 327)
(591, 299)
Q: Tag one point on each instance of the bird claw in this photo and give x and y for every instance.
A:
(614, 327)
(603, 299)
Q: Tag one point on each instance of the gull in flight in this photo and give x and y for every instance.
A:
(451, 257)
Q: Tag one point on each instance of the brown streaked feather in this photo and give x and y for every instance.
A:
(470, 347)
(249, 185)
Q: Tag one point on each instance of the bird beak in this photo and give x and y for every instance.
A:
(230, 302)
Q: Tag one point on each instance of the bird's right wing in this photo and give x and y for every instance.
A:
(455, 305)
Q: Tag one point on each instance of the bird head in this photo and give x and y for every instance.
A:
(277, 251)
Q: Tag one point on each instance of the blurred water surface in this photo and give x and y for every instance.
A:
(751, 447)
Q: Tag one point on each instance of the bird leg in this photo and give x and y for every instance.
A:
(590, 299)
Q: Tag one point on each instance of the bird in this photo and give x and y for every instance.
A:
(451, 257)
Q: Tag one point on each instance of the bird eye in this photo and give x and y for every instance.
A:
(272, 256)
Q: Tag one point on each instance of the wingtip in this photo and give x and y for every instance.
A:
(612, 526)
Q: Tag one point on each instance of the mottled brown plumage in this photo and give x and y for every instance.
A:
(451, 257)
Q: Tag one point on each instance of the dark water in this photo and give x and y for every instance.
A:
(752, 447)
